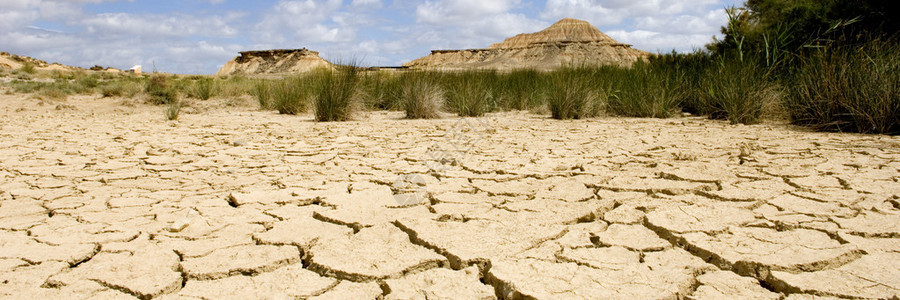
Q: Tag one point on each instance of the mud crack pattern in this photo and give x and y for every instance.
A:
(100, 202)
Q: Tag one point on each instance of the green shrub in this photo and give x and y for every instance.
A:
(28, 68)
(161, 90)
(290, 95)
(232, 86)
(469, 93)
(519, 90)
(262, 91)
(421, 98)
(173, 109)
(382, 89)
(849, 89)
(203, 88)
(572, 94)
(737, 92)
(337, 94)
(643, 91)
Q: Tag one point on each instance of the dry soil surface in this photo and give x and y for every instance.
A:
(100, 200)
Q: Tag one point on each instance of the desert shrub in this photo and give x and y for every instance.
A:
(519, 90)
(202, 88)
(27, 67)
(849, 89)
(337, 93)
(161, 89)
(290, 95)
(469, 94)
(54, 92)
(173, 109)
(114, 89)
(382, 90)
(572, 94)
(737, 92)
(232, 86)
(421, 98)
(643, 91)
(262, 91)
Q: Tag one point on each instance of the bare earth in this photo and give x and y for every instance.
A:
(99, 200)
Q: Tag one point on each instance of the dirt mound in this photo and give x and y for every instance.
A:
(13, 61)
(567, 42)
(279, 61)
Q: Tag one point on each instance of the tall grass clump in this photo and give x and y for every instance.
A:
(337, 94)
(849, 89)
(161, 89)
(203, 88)
(28, 68)
(421, 98)
(382, 89)
(232, 86)
(739, 92)
(262, 91)
(572, 93)
(470, 94)
(173, 109)
(289, 95)
(519, 90)
(643, 91)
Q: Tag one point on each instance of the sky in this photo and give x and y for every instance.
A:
(199, 36)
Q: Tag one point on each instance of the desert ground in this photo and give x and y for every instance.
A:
(103, 200)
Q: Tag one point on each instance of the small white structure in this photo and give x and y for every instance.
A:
(136, 69)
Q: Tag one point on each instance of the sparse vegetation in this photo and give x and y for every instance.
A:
(262, 91)
(337, 94)
(173, 109)
(421, 98)
(848, 89)
(573, 94)
(469, 94)
(829, 65)
(161, 90)
(203, 88)
(290, 95)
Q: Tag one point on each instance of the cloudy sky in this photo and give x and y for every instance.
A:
(199, 36)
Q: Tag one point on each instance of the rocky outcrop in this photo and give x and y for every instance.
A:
(279, 61)
(568, 42)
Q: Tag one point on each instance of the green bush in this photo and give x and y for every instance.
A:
(469, 94)
(337, 94)
(572, 94)
(203, 88)
(27, 68)
(421, 98)
(382, 89)
(289, 95)
(262, 91)
(643, 91)
(737, 92)
(173, 109)
(849, 89)
(161, 90)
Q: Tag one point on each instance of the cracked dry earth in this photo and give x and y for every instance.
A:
(106, 201)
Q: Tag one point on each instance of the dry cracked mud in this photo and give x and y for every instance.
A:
(100, 201)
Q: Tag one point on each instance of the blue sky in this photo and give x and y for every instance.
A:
(199, 36)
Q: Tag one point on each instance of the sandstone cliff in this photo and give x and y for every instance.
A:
(567, 42)
(280, 61)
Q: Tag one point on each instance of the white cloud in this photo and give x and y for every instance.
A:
(470, 23)
(157, 25)
(650, 25)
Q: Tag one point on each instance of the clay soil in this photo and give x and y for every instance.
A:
(101, 200)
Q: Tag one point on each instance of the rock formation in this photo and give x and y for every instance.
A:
(567, 42)
(279, 61)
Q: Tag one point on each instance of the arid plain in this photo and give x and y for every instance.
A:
(103, 200)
